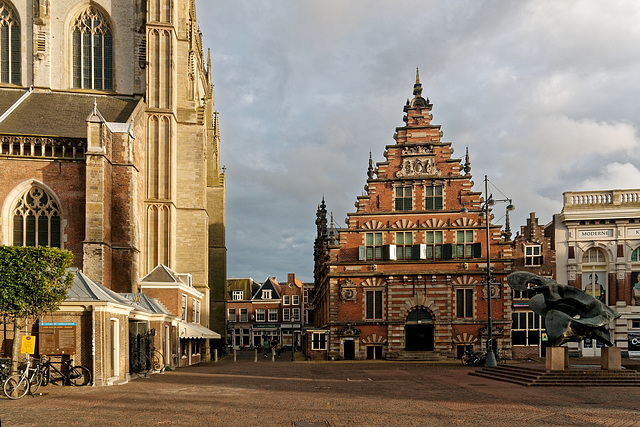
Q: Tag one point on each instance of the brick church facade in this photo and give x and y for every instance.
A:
(109, 147)
(406, 277)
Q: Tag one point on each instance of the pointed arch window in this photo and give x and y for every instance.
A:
(92, 51)
(36, 220)
(9, 45)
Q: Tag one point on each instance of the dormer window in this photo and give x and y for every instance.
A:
(237, 295)
(266, 294)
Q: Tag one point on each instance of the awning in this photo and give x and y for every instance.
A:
(194, 330)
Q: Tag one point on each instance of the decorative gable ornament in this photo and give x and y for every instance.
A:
(418, 168)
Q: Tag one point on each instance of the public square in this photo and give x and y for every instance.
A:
(305, 393)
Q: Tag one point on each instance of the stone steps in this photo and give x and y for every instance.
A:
(408, 356)
(572, 377)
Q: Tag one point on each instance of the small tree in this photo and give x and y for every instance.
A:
(33, 281)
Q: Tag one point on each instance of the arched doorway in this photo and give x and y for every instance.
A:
(419, 331)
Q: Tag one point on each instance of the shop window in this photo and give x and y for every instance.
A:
(526, 328)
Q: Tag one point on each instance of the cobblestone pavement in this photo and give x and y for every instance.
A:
(300, 393)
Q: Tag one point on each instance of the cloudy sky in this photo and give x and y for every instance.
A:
(544, 93)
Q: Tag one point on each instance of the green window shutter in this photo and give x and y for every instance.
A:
(447, 251)
(477, 250)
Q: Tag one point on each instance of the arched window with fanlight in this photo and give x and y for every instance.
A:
(594, 273)
(635, 255)
(36, 219)
(92, 51)
(9, 45)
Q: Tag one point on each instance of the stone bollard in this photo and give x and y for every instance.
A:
(215, 355)
(234, 355)
(255, 356)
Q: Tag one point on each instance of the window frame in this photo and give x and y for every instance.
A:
(231, 315)
(92, 53)
(13, 59)
(295, 299)
(237, 295)
(374, 243)
(433, 246)
(432, 200)
(286, 299)
(243, 315)
(260, 315)
(464, 303)
(374, 304)
(295, 314)
(464, 249)
(319, 341)
(185, 302)
(533, 259)
(266, 294)
(404, 249)
(272, 315)
(286, 314)
(403, 202)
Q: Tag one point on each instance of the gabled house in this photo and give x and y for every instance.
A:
(181, 298)
(240, 311)
(266, 312)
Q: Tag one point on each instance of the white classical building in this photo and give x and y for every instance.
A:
(597, 241)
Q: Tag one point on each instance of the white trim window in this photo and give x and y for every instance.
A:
(231, 315)
(194, 311)
(295, 300)
(286, 299)
(198, 311)
(296, 314)
(273, 315)
(286, 314)
(533, 255)
(266, 294)
(260, 315)
(184, 307)
(244, 315)
(319, 341)
(237, 295)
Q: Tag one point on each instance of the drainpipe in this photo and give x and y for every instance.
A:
(93, 344)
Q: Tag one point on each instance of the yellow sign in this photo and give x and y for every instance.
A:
(28, 345)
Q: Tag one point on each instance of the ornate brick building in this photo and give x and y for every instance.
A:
(406, 276)
(109, 145)
(533, 252)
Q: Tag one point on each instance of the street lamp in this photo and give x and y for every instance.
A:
(490, 201)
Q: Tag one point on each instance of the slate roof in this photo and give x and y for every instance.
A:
(85, 289)
(57, 114)
(149, 304)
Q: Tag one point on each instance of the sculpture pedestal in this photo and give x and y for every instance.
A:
(557, 358)
(611, 358)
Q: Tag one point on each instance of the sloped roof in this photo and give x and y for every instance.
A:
(85, 289)
(270, 283)
(147, 303)
(163, 274)
(56, 114)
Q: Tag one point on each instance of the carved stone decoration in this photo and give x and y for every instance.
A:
(418, 167)
(349, 331)
(570, 313)
(417, 150)
(348, 291)
(496, 331)
(495, 291)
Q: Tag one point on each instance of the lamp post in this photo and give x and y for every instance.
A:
(490, 201)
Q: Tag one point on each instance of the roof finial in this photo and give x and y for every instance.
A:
(467, 164)
(370, 169)
(417, 75)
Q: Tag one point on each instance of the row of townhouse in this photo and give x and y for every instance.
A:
(261, 313)
(407, 277)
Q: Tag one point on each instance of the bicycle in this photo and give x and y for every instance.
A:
(76, 375)
(17, 385)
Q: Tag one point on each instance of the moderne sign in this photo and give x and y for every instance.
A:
(595, 234)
